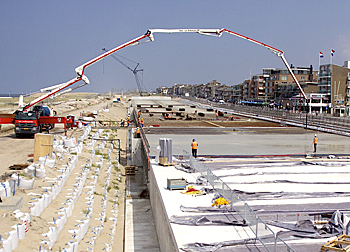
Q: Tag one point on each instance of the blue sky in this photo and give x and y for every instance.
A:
(42, 42)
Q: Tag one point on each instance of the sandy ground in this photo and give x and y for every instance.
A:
(18, 151)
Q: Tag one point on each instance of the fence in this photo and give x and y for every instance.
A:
(262, 232)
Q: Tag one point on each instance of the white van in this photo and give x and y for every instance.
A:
(222, 102)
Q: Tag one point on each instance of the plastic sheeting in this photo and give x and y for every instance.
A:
(210, 247)
(222, 209)
(306, 228)
(185, 167)
(208, 220)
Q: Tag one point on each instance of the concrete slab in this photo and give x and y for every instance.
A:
(140, 232)
(11, 203)
(255, 141)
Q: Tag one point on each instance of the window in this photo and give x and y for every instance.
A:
(283, 78)
(302, 77)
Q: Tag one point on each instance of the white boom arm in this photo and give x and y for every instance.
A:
(149, 34)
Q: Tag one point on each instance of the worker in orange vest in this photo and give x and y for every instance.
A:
(122, 124)
(194, 145)
(138, 133)
(217, 115)
(315, 142)
(128, 121)
(142, 122)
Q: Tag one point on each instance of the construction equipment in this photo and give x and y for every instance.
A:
(149, 35)
(135, 71)
(341, 243)
(59, 89)
(32, 122)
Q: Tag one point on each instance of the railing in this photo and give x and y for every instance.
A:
(145, 147)
(261, 231)
(341, 124)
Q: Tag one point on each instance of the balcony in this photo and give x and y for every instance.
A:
(325, 74)
(324, 83)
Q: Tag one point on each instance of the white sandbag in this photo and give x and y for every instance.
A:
(58, 148)
(47, 199)
(7, 244)
(69, 142)
(14, 238)
(35, 210)
(73, 246)
(37, 169)
(45, 160)
(74, 150)
(26, 184)
(21, 231)
(61, 221)
(5, 189)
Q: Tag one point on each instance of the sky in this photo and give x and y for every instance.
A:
(42, 42)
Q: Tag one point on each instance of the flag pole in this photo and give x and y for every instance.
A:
(320, 55)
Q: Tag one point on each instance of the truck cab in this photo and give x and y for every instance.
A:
(26, 123)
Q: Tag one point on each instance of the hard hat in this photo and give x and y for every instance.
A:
(315, 134)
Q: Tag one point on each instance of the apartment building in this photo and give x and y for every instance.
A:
(277, 77)
(334, 81)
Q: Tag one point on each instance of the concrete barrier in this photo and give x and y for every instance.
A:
(165, 234)
(6, 127)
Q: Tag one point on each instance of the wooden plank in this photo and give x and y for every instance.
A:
(43, 145)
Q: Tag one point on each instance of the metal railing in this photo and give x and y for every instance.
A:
(145, 146)
(261, 230)
(303, 119)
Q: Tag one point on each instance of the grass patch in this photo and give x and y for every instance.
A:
(98, 194)
(85, 211)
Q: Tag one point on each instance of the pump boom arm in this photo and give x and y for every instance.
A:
(149, 34)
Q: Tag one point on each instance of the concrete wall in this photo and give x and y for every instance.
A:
(165, 234)
(136, 152)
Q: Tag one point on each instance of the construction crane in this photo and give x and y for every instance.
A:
(59, 89)
(134, 71)
(149, 36)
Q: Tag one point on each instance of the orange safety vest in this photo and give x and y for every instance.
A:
(194, 145)
(315, 140)
(138, 131)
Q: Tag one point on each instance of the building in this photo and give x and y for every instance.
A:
(334, 81)
(278, 76)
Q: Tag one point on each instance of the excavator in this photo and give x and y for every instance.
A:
(32, 121)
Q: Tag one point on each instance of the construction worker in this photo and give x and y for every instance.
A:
(128, 121)
(142, 122)
(122, 123)
(138, 132)
(217, 115)
(315, 142)
(194, 146)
